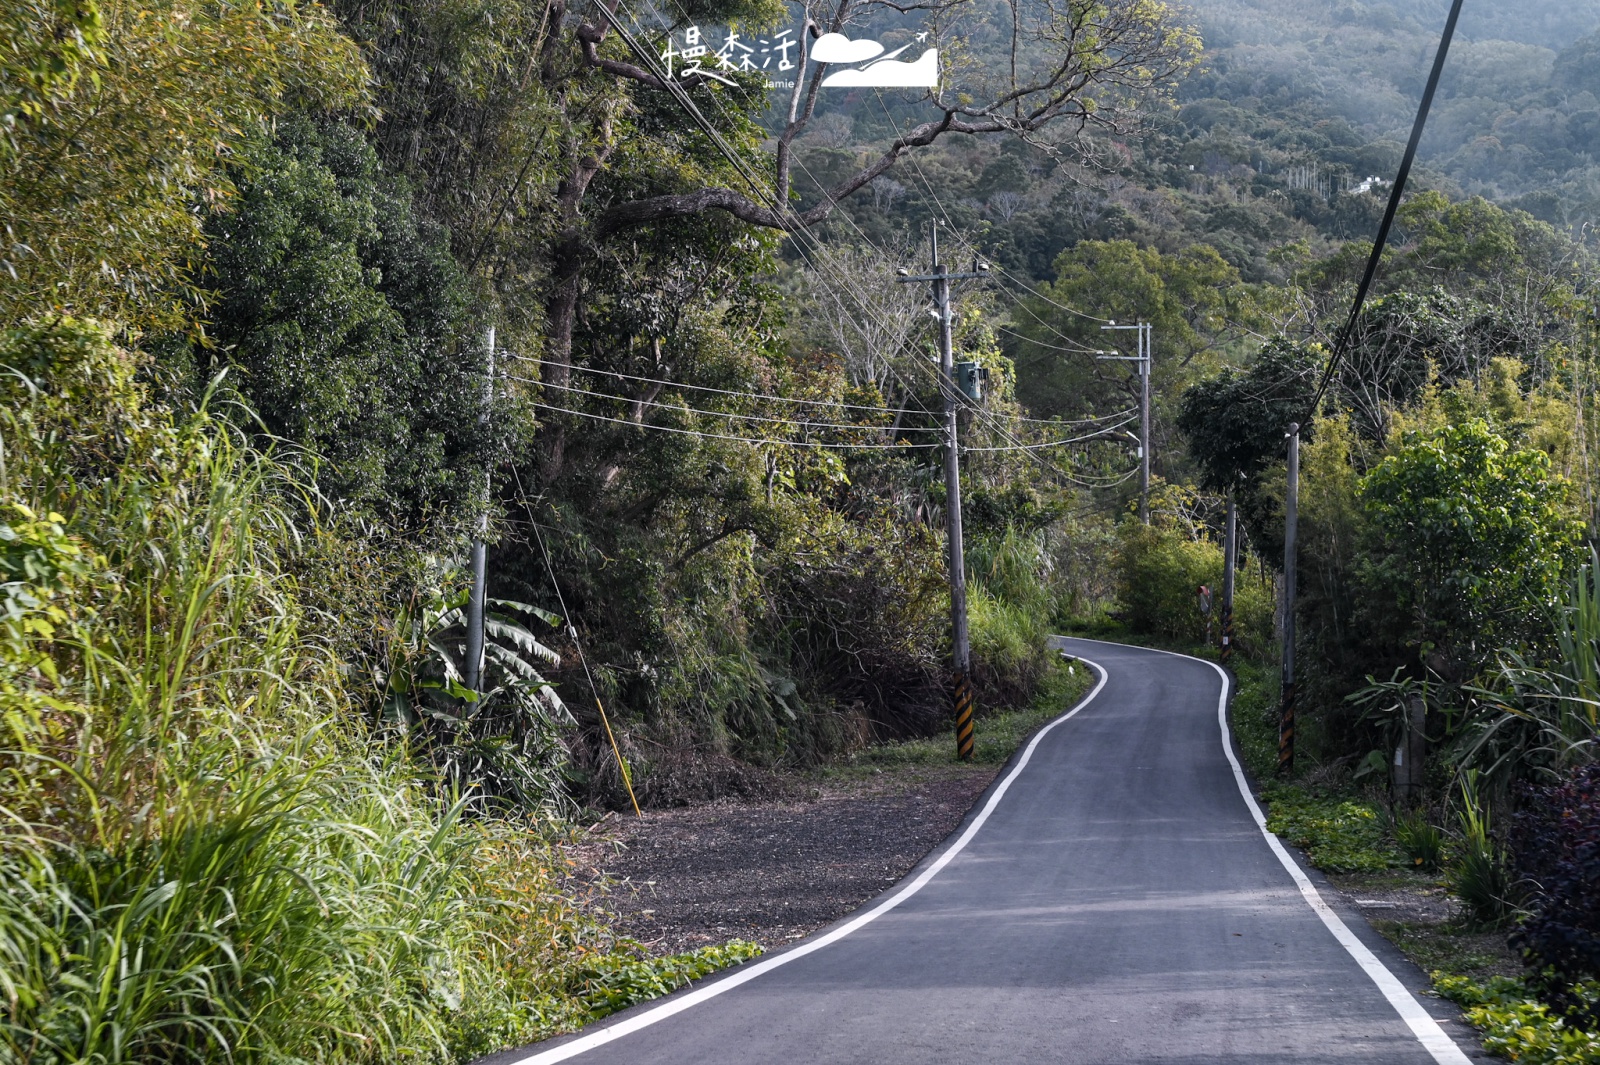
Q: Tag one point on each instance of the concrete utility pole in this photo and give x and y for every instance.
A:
(1230, 560)
(1144, 421)
(961, 646)
(1291, 523)
(477, 599)
(1142, 363)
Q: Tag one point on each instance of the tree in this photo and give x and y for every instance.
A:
(1193, 299)
(347, 322)
(1406, 341)
(108, 179)
(1474, 540)
(854, 313)
(1235, 422)
(48, 45)
(1075, 65)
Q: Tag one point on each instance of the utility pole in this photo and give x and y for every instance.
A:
(1291, 522)
(961, 646)
(1230, 560)
(478, 597)
(1144, 422)
(1142, 364)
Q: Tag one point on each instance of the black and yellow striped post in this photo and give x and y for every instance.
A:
(963, 717)
(1286, 731)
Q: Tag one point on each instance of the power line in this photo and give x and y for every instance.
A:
(577, 645)
(845, 426)
(1077, 350)
(717, 413)
(742, 168)
(933, 193)
(728, 392)
(917, 165)
(1342, 344)
(1102, 434)
(1071, 423)
(738, 164)
(722, 436)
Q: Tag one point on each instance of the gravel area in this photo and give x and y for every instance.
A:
(771, 872)
(1408, 900)
(776, 871)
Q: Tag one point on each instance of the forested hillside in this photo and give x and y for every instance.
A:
(299, 301)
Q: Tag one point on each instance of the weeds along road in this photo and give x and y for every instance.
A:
(1112, 898)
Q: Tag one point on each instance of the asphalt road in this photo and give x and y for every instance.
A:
(1111, 899)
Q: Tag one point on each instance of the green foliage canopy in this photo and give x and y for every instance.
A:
(1474, 540)
(113, 175)
(348, 321)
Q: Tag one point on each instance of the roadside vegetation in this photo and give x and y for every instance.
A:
(997, 737)
(1516, 949)
(298, 300)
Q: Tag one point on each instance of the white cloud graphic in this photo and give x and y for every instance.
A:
(837, 48)
(888, 73)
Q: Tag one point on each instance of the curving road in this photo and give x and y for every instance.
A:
(1112, 898)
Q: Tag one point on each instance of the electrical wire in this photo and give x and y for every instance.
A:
(738, 164)
(742, 168)
(726, 392)
(933, 193)
(998, 268)
(572, 631)
(1102, 434)
(1342, 344)
(723, 436)
(1072, 423)
(1076, 350)
(808, 425)
(717, 413)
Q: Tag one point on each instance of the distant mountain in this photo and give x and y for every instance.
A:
(1517, 118)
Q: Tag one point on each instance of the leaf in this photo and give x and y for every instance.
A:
(521, 637)
(529, 608)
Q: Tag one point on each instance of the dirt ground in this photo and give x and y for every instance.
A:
(771, 872)
(776, 871)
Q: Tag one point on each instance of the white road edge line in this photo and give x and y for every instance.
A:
(746, 973)
(1420, 1021)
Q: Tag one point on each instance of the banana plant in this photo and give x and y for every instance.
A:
(502, 743)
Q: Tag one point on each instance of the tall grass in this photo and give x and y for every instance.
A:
(203, 862)
(1009, 608)
(1543, 719)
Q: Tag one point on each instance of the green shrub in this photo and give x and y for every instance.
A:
(1556, 842)
(1159, 572)
(1479, 874)
(1340, 835)
(204, 860)
(1474, 539)
(1009, 609)
(1253, 714)
(1518, 1026)
(1420, 841)
(1009, 654)
(614, 982)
